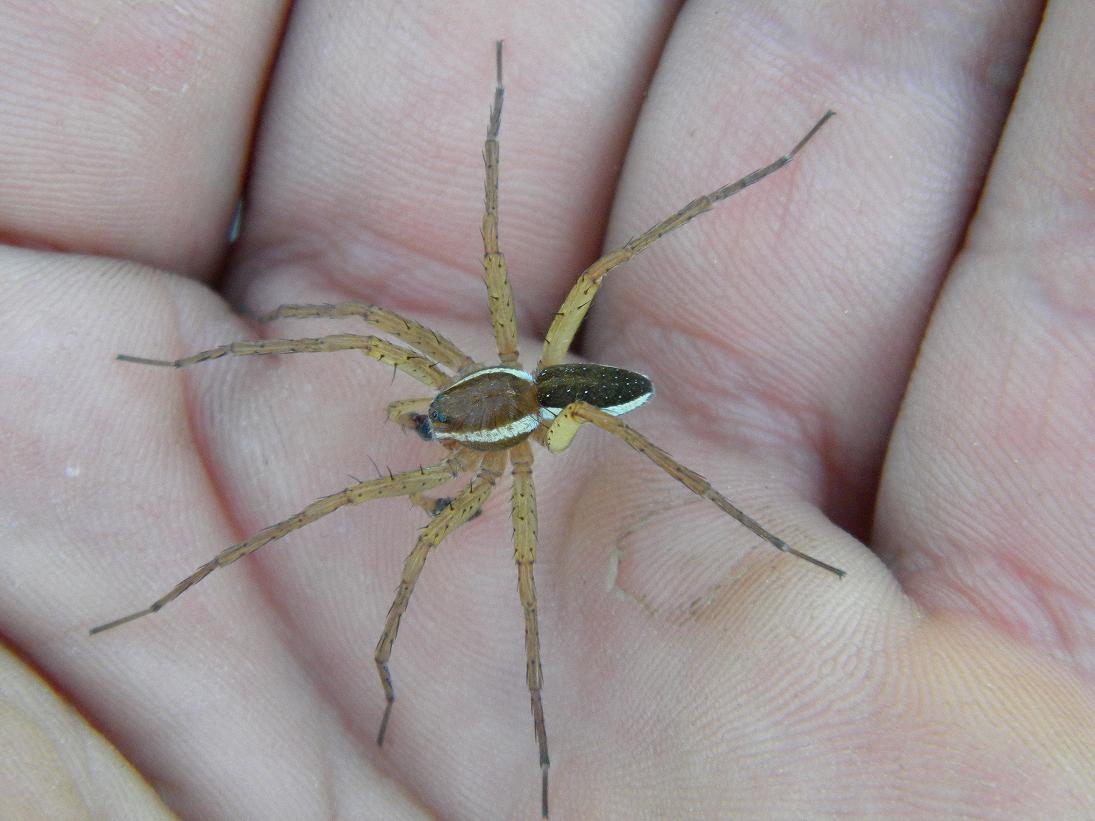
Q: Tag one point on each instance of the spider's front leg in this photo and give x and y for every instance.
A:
(563, 429)
(424, 340)
(568, 319)
(410, 362)
(503, 318)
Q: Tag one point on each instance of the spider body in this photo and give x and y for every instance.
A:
(487, 416)
(495, 408)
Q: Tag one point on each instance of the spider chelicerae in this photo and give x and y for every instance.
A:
(486, 416)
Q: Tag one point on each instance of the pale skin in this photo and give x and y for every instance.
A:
(685, 665)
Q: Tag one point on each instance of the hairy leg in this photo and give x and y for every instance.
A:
(410, 362)
(463, 507)
(424, 340)
(499, 294)
(566, 424)
(524, 554)
(568, 319)
(400, 484)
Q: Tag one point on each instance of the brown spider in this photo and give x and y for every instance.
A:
(485, 415)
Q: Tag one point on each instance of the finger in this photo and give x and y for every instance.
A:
(788, 316)
(127, 126)
(986, 501)
(42, 733)
(147, 473)
(369, 169)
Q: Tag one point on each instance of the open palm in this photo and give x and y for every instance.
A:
(888, 343)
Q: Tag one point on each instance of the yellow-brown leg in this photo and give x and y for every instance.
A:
(499, 294)
(410, 362)
(462, 508)
(524, 554)
(568, 319)
(564, 426)
(399, 484)
(424, 340)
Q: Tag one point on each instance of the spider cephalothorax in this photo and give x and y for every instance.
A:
(486, 416)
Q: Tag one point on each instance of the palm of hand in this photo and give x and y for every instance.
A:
(683, 672)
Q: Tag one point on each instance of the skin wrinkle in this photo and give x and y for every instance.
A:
(1071, 294)
(201, 447)
(1048, 401)
(290, 638)
(312, 252)
(819, 435)
(529, 324)
(697, 404)
(1039, 586)
(311, 667)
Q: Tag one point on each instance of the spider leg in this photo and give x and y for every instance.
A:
(424, 340)
(524, 554)
(568, 319)
(566, 424)
(399, 484)
(499, 294)
(411, 363)
(462, 508)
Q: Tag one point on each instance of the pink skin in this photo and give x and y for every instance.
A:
(688, 669)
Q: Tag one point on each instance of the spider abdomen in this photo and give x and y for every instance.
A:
(613, 390)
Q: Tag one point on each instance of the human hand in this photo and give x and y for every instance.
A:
(689, 669)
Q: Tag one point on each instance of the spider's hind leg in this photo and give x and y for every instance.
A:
(562, 430)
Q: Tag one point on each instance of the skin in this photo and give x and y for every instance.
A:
(883, 353)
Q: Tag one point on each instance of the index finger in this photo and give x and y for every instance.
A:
(127, 126)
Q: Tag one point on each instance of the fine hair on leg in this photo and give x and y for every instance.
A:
(568, 319)
(573, 415)
(425, 340)
(524, 554)
(399, 484)
(408, 361)
(463, 507)
(503, 318)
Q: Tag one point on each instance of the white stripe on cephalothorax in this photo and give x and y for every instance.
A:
(520, 427)
(520, 374)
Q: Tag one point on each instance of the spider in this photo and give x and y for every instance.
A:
(486, 416)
